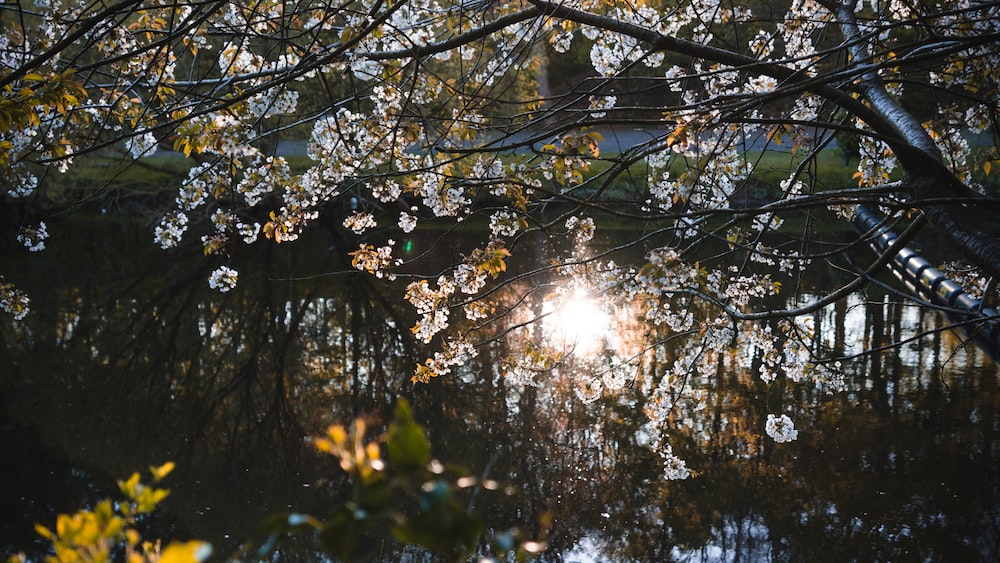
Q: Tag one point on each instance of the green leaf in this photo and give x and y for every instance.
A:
(442, 524)
(341, 532)
(409, 448)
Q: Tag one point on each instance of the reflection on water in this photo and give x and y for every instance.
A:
(133, 360)
(578, 324)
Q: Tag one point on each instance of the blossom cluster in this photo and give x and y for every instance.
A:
(528, 362)
(431, 304)
(223, 279)
(503, 224)
(674, 468)
(33, 238)
(666, 277)
(455, 352)
(12, 300)
(170, 230)
(360, 222)
(582, 228)
(140, 145)
(376, 260)
(406, 222)
(780, 429)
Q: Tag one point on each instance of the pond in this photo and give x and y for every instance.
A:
(128, 360)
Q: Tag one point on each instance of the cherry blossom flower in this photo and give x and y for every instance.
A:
(781, 429)
(141, 145)
(13, 300)
(33, 238)
(223, 279)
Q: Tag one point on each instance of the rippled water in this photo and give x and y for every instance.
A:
(129, 360)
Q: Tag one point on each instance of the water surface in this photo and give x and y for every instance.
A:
(129, 359)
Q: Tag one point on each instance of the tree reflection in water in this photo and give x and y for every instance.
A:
(134, 360)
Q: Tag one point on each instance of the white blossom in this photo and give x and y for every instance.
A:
(221, 219)
(455, 352)
(375, 260)
(561, 42)
(583, 228)
(360, 222)
(170, 230)
(364, 68)
(271, 103)
(468, 279)
(33, 238)
(762, 84)
(26, 185)
(223, 279)
(248, 231)
(12, 300)
(477, 310)
(503, 224)
(141, 145)
(430, 324)
(407, 222)
(781, 429)
(201, 182)
(674, 468)
(386, 191)
(762, 44)
(599, 105)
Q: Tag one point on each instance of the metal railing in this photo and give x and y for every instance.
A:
(919, 277)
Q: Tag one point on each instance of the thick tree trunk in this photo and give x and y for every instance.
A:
(970, 224)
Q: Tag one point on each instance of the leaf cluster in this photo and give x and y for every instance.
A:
(406, 497)
(109, 531)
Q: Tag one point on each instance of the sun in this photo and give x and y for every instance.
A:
(577, 323)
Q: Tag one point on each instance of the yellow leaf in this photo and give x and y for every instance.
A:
(338, 434)
(190, 552)
(774, 135)
(162, 471)
(324, 445)
(43, 531)
(986, 167)
(149, 498)
(679, 133)
(129, 487)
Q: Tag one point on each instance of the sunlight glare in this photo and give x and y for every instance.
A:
(578, 323)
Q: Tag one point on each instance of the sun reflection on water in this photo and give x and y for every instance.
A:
(577, 324)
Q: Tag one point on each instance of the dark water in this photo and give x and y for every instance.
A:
(129, 359)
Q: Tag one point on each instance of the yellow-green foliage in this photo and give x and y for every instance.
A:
(405, 496)
(91, 536)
